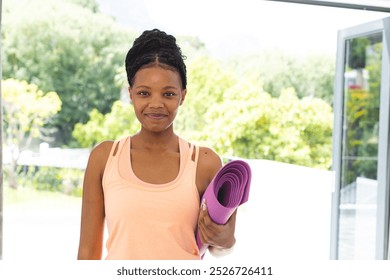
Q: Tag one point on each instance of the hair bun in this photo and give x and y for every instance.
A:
(155, 46)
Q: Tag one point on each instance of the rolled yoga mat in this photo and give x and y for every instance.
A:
(228, 190)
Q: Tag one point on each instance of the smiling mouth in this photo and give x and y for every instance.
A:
(156, 116)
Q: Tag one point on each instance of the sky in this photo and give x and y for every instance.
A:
(228, 27)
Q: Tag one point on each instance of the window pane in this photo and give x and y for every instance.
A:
(360, 148)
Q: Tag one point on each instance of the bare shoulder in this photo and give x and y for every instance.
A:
(99, 154)
(209, 159)
(102, 149)
(209, 164)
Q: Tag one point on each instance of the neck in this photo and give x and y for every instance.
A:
(149, 139)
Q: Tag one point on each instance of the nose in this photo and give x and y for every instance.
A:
(156, 101)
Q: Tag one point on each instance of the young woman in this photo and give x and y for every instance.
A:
(148, 186)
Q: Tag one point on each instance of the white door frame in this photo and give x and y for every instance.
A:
(382, 225)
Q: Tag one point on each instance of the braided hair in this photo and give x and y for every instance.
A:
(155, 47)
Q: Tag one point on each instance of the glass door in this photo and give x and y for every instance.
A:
(360, 210)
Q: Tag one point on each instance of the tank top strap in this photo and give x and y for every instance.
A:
(196, 153)
(115, 150)
(189, 151)
(185, 152)
(121, 143)
(117, 147)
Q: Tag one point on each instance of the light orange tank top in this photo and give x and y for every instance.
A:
(149, 221)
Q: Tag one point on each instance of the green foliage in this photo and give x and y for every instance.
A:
(241, 108)
(207, 82)
(121, 121)
(26, 109)
(191, 47)
(256, 125)
(89, 4)
(236, 116)
(65, 48)
(357, 53)
(46, 178)
(310, 75)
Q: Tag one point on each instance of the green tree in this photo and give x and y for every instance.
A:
(26, 109)
(207, 82)
(310, 75)
(63, 47)
(89, 4)
(121, 121)
(250, 123)
(192, 47)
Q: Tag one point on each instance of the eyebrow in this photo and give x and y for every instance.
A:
(165, 88)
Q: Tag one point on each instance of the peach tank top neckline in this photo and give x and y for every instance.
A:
(127, 173)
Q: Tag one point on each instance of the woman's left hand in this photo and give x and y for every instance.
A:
(215, 235)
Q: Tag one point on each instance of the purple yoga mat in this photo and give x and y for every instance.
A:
(228, 190)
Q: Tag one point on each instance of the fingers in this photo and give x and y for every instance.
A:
(220, 236)
(204, 224)
(209, 231)
(203, 213)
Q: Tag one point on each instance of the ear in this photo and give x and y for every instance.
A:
(183, 96)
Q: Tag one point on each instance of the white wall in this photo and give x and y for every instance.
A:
(287, 215)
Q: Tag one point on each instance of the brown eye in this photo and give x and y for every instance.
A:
(143, 93)
(169, 94)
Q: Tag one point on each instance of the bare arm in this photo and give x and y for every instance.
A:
(217, 236)
(92, 214)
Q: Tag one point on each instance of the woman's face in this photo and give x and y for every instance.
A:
(156, 95)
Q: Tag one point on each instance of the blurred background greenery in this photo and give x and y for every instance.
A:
(64, 84)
